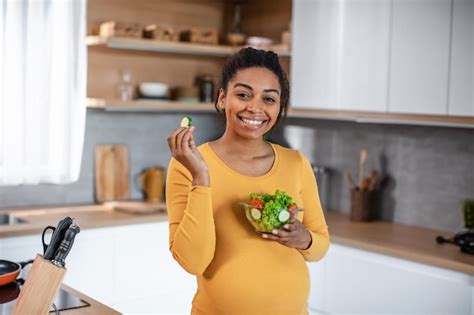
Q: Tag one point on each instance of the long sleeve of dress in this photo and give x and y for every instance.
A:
(191, 223)
(313, 217)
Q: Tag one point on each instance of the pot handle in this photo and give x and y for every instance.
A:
(25, 263)
(138, 180)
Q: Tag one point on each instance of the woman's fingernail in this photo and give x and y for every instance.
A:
(286, 226)
(275, 232)
(264, 235)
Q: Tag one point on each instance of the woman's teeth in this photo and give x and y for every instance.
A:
(252, 122)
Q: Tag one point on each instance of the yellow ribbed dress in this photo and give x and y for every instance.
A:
(238, 272)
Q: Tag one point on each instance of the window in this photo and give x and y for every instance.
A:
(43, 63)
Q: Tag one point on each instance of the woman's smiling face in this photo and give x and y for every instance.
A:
(252, 102)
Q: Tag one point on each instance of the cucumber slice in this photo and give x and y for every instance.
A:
(255, 213)
(283, 216)
(186, 121)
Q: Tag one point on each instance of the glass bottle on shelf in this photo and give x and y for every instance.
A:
(125, 87)
(206, 88)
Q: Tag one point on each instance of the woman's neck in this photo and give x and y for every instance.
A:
(235, 145)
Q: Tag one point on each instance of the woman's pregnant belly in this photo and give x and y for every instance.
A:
(254, 277)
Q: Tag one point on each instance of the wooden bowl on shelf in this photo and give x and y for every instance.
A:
(236, 39)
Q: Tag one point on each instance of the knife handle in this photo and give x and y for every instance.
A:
(66, 245)
(57, 237)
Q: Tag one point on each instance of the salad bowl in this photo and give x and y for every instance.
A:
(267, 212)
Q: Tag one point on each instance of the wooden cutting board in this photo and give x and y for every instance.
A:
(136, 207)
(111, 172)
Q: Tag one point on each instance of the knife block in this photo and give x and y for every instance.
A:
(40, 288)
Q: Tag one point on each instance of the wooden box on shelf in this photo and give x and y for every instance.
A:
(161, 32)
(120, 29)
(200, 35)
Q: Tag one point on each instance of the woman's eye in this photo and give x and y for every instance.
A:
(243, 95)
(269, 99)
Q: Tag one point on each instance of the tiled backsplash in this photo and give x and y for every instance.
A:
(428, 171)
(145, 135)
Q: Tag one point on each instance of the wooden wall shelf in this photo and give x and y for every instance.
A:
(174, 47)
(351, 116)
(145, 105)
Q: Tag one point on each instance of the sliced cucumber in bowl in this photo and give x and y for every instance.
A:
(255, 214)
(284, 215)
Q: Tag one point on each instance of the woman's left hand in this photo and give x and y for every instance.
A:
(293, 234)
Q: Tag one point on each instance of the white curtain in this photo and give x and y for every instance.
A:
(43, 65)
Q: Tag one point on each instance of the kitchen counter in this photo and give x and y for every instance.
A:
(94, 308)
(86, 216)
(402, 241)
(398, 240)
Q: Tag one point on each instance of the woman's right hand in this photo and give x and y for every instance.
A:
(183, 149)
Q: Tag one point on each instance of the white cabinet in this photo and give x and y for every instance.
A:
(21, 248)
(461, 87)
(363, 55)
(340, 54)
(91, 264)
(350, 280)
(397, 56)
(129, 268)
(419, 59)
(314, 62)
(148, 279)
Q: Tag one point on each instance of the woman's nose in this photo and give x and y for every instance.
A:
(255, 107)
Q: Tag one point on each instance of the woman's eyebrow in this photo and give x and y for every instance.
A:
(272, 90)
(250, 88)
(243, 85)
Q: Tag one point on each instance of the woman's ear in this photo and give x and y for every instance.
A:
(221, 100)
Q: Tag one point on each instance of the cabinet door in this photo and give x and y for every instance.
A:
(21, 248)
(318, 272)
(148, 279)
(145, 265)
(461, 88)
(363, 52)
(420, 56)
(340, 54)
(314, 58)
(362, 282)
(91, 264)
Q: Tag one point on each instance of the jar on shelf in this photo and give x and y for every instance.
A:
(206, 89)
(125, 88)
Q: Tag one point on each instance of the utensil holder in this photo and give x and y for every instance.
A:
(40, 288)
(468, 210)
(361, 205)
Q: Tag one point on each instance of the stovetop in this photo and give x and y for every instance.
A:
(64, 301)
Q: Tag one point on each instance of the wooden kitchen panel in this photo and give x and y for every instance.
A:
(266, 18)
(200, 13)
(105, 65)
(285, 64)
(262, 17)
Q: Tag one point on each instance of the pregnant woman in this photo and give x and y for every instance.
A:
(238, 270)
